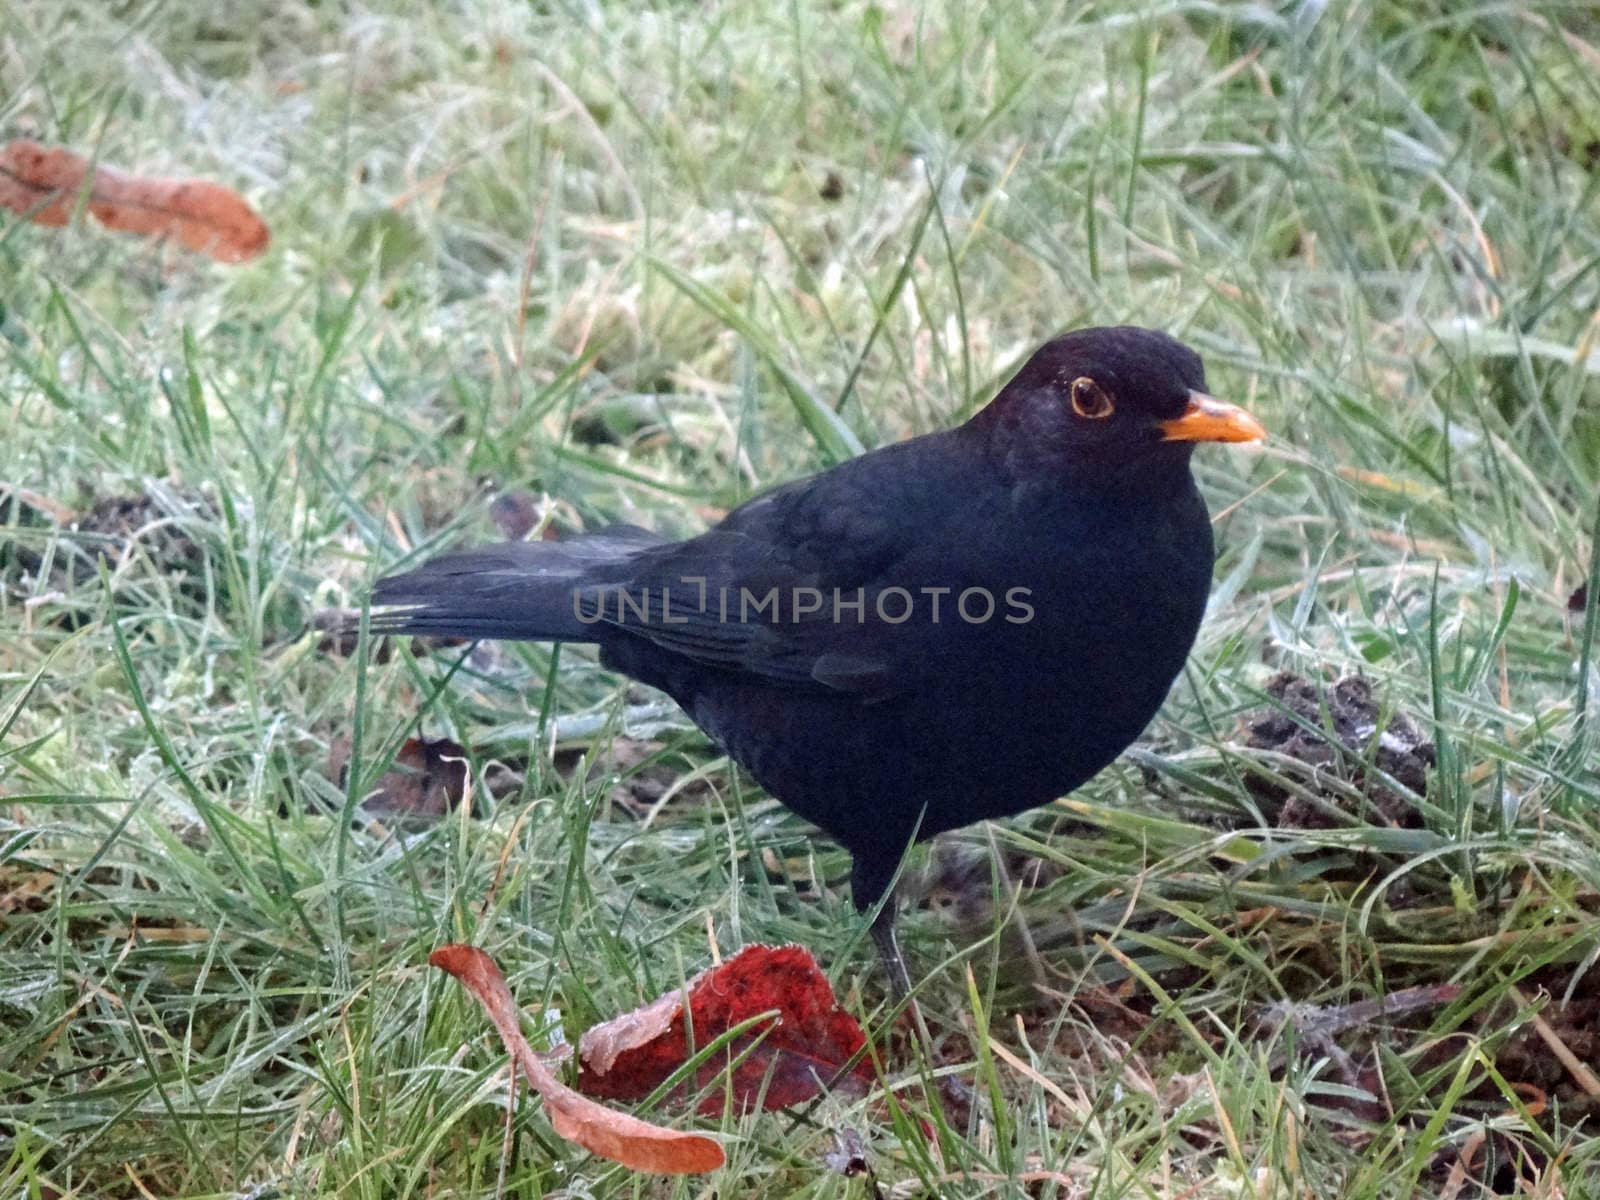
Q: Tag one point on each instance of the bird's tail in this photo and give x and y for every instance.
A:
(520, 591)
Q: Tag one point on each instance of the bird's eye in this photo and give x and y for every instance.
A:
(1089, 399)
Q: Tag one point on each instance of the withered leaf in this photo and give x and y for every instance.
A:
(615, 1135)
(514, 514)
(428, 779)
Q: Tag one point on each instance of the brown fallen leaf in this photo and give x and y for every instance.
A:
(636, 1144)
(808, 1044)
(515, 513)
(44, 184)
(428, 779)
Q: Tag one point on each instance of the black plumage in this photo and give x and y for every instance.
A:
(960, 626)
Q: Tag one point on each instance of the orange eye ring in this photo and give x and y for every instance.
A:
(1089, 399)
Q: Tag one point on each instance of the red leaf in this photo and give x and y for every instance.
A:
(44, 184)
(614, 1135)
(799, 1051)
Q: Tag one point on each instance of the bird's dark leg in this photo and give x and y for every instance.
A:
(894, 964)
(871, 883)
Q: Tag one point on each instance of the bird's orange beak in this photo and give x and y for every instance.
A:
(1208, 419)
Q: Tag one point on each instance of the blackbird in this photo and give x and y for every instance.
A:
(960, 626)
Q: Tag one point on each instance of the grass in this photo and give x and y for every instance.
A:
(642, 264)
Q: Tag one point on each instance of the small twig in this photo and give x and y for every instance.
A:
(1318, 1023)
(1227, 512)
(38, 500)
(1581, 1074)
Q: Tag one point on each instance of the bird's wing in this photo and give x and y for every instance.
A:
(834, 543)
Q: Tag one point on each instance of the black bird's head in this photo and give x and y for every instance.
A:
(1110, 399)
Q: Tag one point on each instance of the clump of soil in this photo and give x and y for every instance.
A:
(1342, 734)
(958, 884)
(110, 530)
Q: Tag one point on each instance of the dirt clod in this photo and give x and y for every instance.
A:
(1341, 732)
(958, 884)
(108, 530)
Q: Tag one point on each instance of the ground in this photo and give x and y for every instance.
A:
(558, 265)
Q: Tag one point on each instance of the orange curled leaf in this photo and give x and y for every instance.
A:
(44, 185)
(615, 1135)
(809, 1042)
